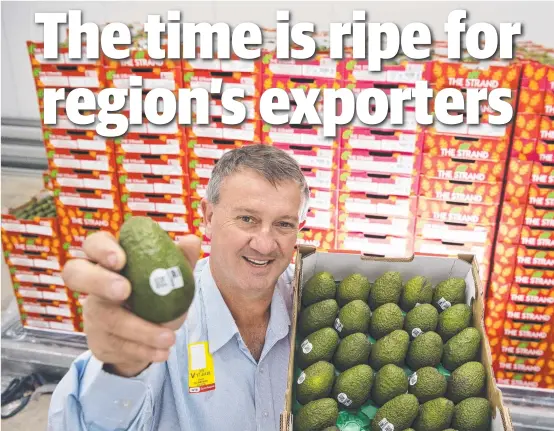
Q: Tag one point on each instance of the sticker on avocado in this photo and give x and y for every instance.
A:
(385, 425)
(301, 378)
(416, 332)
(306, 346)
(338, 325)
(164, 280)
(444, 304)
(343, 399)
(413, 379)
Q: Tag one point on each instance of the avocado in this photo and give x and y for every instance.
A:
(391, 349)
(352, 350)
(472, 414)
(162, 280)
(427, 383)
(461, 348)
(425, 351)
(390, 381)
(318, 346)
(386, 289)
(316, 415)
(423, 318)
(435, 415)
(449, 292)
(317, 316)
(453, 320)
(401, 412)
(353, 317)
(466, 381)
(385, 319)
(333, 428)
(319, 287)
(353, 386)
(355, 286)
(418, 290)
(315, 382)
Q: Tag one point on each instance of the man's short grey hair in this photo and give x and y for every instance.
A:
(273, 164)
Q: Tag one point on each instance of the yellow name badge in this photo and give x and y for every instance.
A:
(201, 368)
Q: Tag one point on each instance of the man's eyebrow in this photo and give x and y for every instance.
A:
(246, 210)
(252, 211)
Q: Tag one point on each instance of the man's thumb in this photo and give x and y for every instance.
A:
(190, 245)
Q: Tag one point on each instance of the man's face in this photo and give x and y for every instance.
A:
(253, 230)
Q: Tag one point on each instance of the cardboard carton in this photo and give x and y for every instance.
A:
(152, 77)
(55, 139)
(403, 72)
(382, 184)
(321, 239)
(304, 134)
(65, 76)
(158, 184)
(153, 164)
(460, 191)
(446, 74)
(63, 178)
(436, 269)
(155, 144)
(368, 138)
(102, 161)
(246, 131)
(457, 212)
(462, 147)
(36, 55)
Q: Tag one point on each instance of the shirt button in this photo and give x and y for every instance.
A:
(261, 370)
(266, 414)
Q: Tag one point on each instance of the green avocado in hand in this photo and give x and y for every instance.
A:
(162, 281)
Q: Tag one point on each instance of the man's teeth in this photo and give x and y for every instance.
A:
(257, 262)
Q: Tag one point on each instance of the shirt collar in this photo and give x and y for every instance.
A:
(220, 323)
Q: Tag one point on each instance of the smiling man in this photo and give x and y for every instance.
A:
(222, 366)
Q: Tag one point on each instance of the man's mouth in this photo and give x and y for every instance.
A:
(256, 262)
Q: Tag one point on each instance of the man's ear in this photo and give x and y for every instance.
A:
(207, 212)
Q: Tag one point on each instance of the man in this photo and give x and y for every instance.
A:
(142, 376)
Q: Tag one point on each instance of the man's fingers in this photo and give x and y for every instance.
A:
(125, 325)
(83, 276)
(110, 348)
(191, 246)
(102, 247)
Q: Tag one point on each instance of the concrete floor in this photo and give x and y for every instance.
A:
(16, 189)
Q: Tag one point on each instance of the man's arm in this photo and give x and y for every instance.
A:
(90, 398)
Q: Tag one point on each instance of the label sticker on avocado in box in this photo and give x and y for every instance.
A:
(201, 368)
(413, 379)
(338, 325)
(164, 280)
(444, 304)
(416, 332)
(306, 347)
(301, 378)
(385, 425)
(343, 399)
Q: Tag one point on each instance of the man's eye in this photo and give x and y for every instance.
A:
(246, 219)
(285, 224)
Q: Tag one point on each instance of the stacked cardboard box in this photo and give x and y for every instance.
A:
(521, 293)
(379, 167)
(150, 158)
(33, 253)
(316, 153)
(207, 143)
(463, 169)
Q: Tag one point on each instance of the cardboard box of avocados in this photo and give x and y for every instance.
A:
(369, 366)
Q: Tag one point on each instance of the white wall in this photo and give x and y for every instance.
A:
(18, 92)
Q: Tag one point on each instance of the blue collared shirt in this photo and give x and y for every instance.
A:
(248, 395)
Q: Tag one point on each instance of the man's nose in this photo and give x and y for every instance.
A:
(263, 242)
